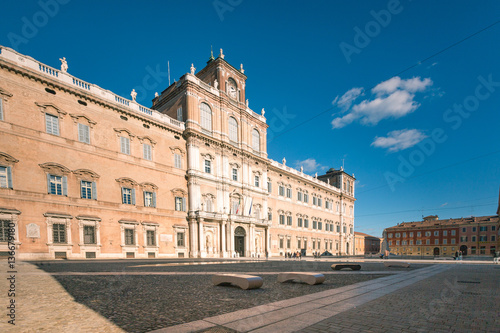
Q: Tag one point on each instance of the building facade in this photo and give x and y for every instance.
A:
(366, 244)
(85, 173)
(435, 237)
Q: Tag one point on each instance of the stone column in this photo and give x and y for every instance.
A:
(193, 238)
(201, 242)
(231, 238)
(223, 239)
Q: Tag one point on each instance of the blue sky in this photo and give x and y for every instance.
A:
(371, 84)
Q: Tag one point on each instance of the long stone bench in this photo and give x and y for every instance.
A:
(338, 267)
(309, 278)
(240, 280)
(396, 264)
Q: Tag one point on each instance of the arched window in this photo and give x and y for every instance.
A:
(233, 129)
(255, 140)
(206, 117)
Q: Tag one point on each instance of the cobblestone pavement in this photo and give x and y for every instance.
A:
(43, 305)
(177, 296)
(465, 298)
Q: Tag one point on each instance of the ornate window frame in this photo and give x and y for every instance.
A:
(11, 215)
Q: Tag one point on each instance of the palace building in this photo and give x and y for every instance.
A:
(85, 173)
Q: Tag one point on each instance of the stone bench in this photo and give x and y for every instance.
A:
(396, 264)
(338, 267)
(309, 278)
(240, 280)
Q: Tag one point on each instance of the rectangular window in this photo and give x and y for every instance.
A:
(180, 204)
(125, 145)
(281, 191)
(419, 242)
(427, 241)
(1, 109)
(128, 196)
(397, 242)
(299, 196)
(453, 232)
(235, 174)
(4, 230)
(288, 220)
(464, 229)
(445, 233)
(315, 201)
(5, 176)
(411, 234)
(59, 233)
(208, 166)
(411, 241)
(482, 250)
(282, 219)
(129, 237)
(281, 243)
(83, 133)
(473, 238)
(315, 224)
(463, 239)
(257, 181)
(320, 225)
(436, 233)
(57, 185)
(338, 228)
(427, 233)
(51, 124)
(299, 222)
(147, 152)
(474, 229)
(89, 234)
(180, 239)
(270, 216)
(453, 241)
(305, 244)
(306, 198)
(299, 244)
(306, 223)
(88, 190)
(320, 203)
(483, 238)
(345, 229)
(289, 193)
(150, 238)
(398, 235)
(179, 114)
(445, 241)
(269, 187)
(178, 161)
(493, 228)
(493, 238)
(483, 228)
(472, 250)
(288, 245)
(419, 234)
(149, 199)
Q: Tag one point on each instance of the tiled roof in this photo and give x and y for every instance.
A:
(448, 222)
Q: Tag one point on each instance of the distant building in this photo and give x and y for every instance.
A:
(366, 244)
(435, 237)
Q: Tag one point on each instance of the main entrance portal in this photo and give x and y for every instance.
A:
(239, 241)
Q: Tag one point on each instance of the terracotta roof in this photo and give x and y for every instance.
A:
(448, 222)
(363, 234)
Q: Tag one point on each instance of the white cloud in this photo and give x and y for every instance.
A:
(399, 140)
(346, 100)
(310, 165)
(393, 98)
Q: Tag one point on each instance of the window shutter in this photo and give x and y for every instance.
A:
(123, 201)
(81, 189)
(94, 191)
(9, 177)
(133, 196)
(48, 183)
(48, 124)
(183, 204)
(154, 199)
(144, 197)
(65, 185)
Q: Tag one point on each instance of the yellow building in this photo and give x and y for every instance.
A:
(85, 173)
